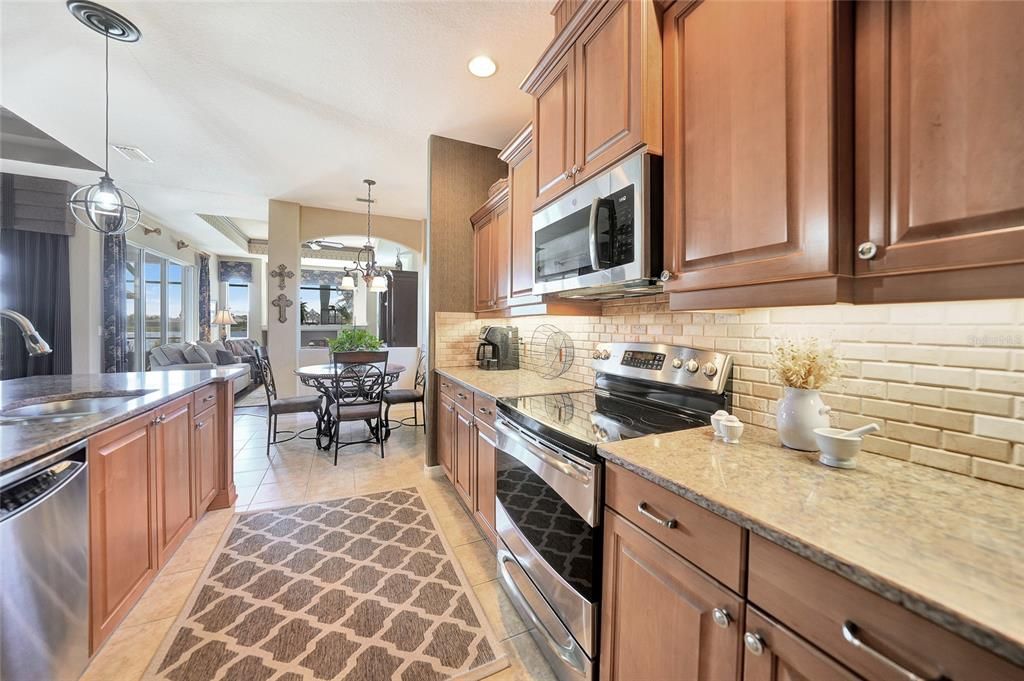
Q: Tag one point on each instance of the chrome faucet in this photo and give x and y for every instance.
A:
(34, 343)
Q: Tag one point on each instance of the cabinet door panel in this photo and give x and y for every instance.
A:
(175, 478)
(464, 448)
(207, 478)
(483, 498)
(748, 143)
(522, 184)
(939, 140)
(657, 620)
(786, 657)
(445, 434)
(483, 264)
(122, 522)
(553, 121)
(501, 246)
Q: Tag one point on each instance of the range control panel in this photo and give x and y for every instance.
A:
(671, 364)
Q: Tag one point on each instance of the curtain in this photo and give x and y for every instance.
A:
(35, 281)
(115, 318)
(234, 271)
(204, 297)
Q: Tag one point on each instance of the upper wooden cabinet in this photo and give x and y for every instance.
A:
(522, 178)
(597, 93)
(752, 142)
(491, 245)
(939, 130)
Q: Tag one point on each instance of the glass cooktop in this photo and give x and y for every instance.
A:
(594, 417)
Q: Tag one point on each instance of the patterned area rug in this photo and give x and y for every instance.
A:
(363, 589)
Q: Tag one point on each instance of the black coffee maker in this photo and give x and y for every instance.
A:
(498, 349)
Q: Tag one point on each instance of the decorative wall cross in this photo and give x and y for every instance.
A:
(282, 303)
(281, 271)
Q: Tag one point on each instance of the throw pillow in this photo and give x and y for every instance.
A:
(211, 348)
(158, 358)
(224, 357)
(174, 354)
(196, 355)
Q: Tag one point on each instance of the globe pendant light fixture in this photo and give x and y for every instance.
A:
(373, 275)
(104, 206)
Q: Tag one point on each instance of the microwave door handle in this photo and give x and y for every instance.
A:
(595, 209)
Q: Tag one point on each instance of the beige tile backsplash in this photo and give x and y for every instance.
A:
(945, 381)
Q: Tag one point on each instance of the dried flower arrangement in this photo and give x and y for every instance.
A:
(807, 363)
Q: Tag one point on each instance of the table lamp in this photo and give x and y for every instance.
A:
(224, 319)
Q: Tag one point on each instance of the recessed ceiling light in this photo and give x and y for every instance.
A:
(482, 66)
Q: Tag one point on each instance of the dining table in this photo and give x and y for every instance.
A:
(320, 377)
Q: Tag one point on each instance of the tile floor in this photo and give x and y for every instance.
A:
(295, 472)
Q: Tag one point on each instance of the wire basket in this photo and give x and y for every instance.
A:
(551, 351)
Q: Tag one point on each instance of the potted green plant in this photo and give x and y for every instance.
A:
(354, 339)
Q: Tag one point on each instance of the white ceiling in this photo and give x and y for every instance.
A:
(241, 102)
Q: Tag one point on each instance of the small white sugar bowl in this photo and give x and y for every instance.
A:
(716, 421)
(732, 429)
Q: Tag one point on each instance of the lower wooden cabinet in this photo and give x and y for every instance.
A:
(207, 465)
(773, 653)
(175, 476)
(465, 446)
(445, 433)
(123, 556)
(484, 480)
(660, 620)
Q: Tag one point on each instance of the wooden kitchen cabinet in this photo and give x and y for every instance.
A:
(483, 261)
(522, 187)
(207, 468)
(939, 104)
(777, 654)
(175, 476)
(484, 480)
(446, 435)
(596, 93)
(754, 118)
(658, 622)
(123, 556)
(465, 450)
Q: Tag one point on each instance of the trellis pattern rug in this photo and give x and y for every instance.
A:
(363, 589)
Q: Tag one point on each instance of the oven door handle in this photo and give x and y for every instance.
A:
(559, 464)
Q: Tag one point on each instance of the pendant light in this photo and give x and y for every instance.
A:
(104, 207)
(373, 275)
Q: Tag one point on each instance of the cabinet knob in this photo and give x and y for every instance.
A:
(568, 174)
(754, 643)
(666, 275)
(576, 170)
(721, 617)
(867, 250)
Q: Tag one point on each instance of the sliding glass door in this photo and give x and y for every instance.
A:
(159, 304)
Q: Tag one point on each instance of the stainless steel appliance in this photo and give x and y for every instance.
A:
(44, 567)
(549, 482)
(498, 349)
(603, 239)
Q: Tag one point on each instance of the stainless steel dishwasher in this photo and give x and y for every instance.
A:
(44, 568)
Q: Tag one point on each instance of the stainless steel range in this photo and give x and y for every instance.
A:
(550, 482)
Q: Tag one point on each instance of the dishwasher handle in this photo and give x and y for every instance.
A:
(31, 490)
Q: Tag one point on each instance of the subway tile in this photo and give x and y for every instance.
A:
(993, 311)
(981, 358)
(943, 418)
(930, 437)
(944, 376)
(916, 394)
(919, 313)
(863, 388)
(1004, 473)
(999, 428)
(998, 450)
(886, 410)
(887, 447)
(865, 351)
(1002, 381)
(979, 402)
(936, 458)
(887, 371)
(915, 354)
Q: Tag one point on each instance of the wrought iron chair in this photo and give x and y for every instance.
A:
(413, 396)
(357, 394)
(276, 406)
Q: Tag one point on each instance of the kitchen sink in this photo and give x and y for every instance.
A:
(68, 408)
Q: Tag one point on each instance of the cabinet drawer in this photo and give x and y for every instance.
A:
(447, 386)
(463, 396)
(485, 408)
(818, 604)
(709, 541)
(784, 655)
(204, 398)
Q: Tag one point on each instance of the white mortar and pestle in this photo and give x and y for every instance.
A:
(839, 447)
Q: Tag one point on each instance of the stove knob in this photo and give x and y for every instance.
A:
(597, 354)
(692, 366)
(710, 370)
(605, 354)
(677, 363)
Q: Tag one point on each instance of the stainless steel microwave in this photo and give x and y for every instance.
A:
(603, 239)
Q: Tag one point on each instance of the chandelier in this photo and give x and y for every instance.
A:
(104, 206)
(373, 275)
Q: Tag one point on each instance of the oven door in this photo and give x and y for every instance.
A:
(597, 233)
(548, 515)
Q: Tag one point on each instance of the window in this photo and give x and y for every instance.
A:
(325, 305)
(238, 303)
(158, 303)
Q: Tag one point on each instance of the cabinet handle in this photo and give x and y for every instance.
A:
(444, 385)
(461, 396)
(867, 250)
(850, 634)
(721, 617)
(484, 410)
(754, 643)
(666, 276)
(641, 508)
(208, 398)
(567, 174)
(576, 170)
(155, 421)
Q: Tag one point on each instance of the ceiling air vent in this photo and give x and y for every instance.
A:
(131, 153)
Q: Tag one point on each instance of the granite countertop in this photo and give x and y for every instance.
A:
(512, 383)
(948, 547)
(24, 441)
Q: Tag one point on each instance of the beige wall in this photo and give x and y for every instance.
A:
(945, 381)
(283, 337)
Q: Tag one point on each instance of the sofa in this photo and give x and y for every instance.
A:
(245, 349)
(199, 355)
